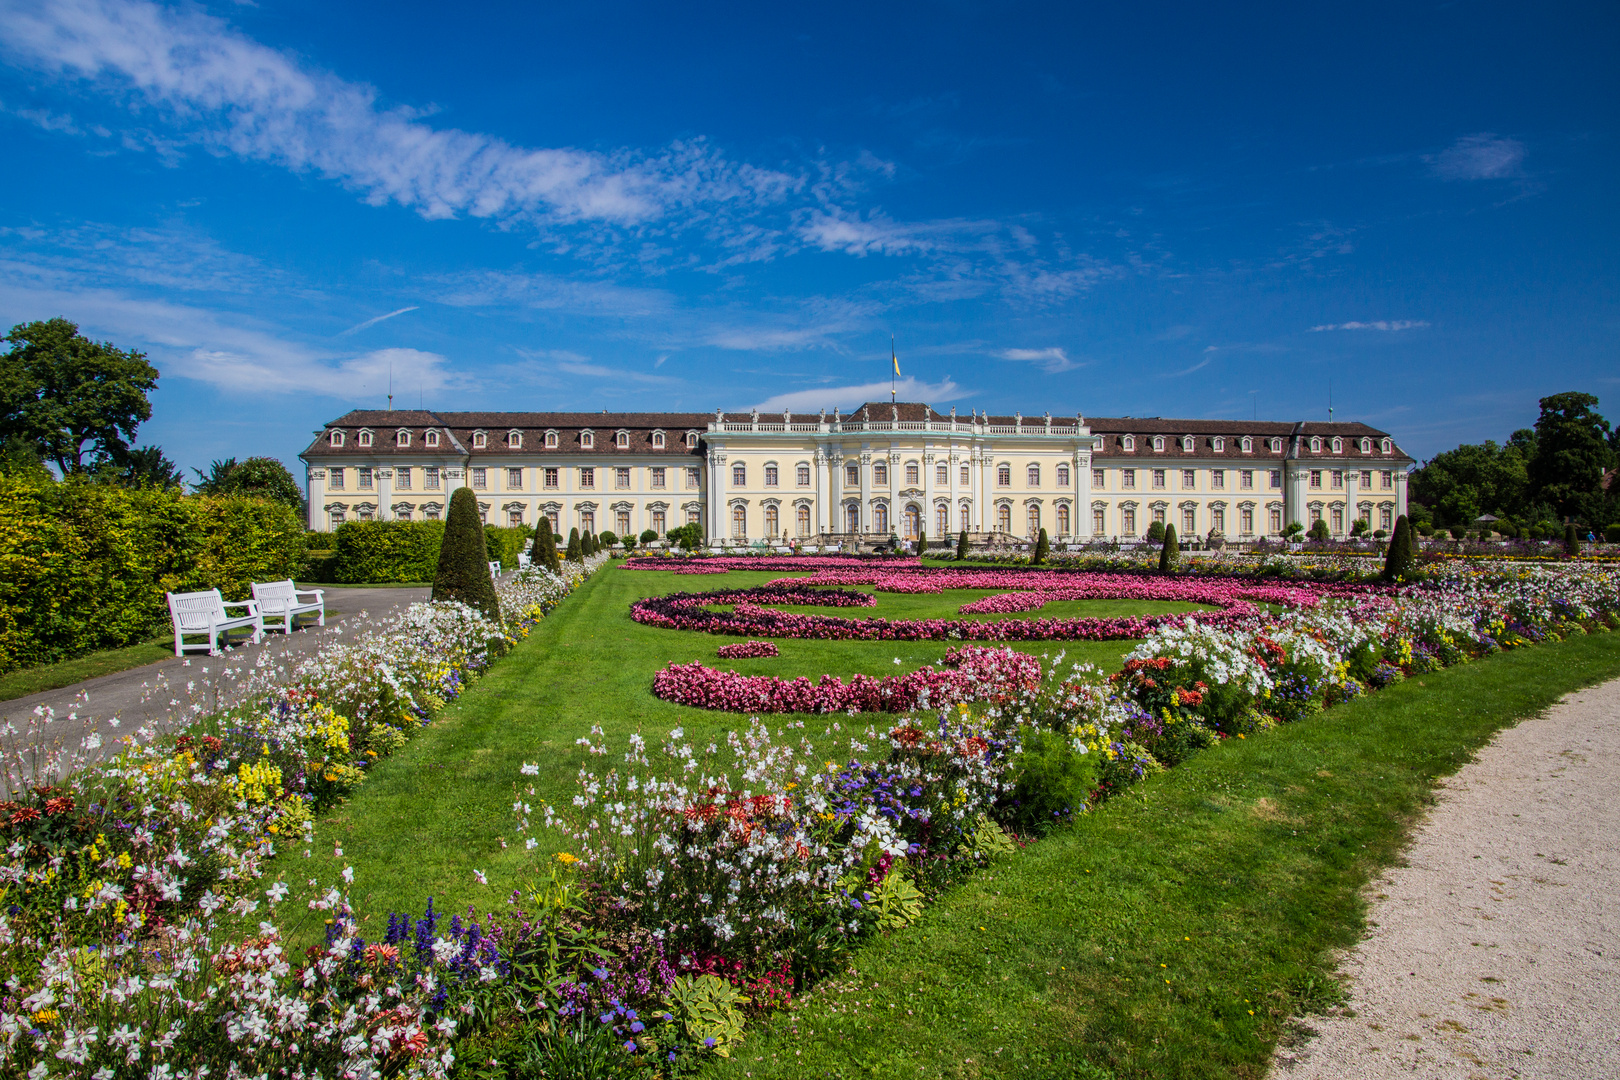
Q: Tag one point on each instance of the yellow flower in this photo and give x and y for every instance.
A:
(565, 858)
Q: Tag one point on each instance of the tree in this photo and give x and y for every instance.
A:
(962, 545)
(463, 572)
(1171, 552)
(688, 536)
(1319, 530)
(1572, 454)
(1043, 546)
(1398, 556)
(648, 536)
(71, 396)
(922, 542)
(606, 539)
(544, 552)
(1293, 531)
(265, 478)
(1155, 531)
(576, 550)
(142, 467)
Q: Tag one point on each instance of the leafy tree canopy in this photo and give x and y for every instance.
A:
(1459, 485)
(258, 477)
(71, 397)
(1573, 451)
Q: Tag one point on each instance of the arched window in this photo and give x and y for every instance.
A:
(1033, 476)
(1004, 476)
(479, 440)
(551, 440)
(431, 438)
(1218, 444)
(880, 518)
(1063, 520)
(1128, 442)
(942, 519)
(1338, 445)
(1316, 444)
(402, 437)
(514, 439)
(336, 439)
(1246, 445)
(622, 440)
(1186, 444)
(913, 522)
(1366, 446)
(739, 522)
(1158, 442)
(658, 440)
(691, 439)
(1276, 446)
(739, 475)
(1062, 476)
(1389, 447)
(770, 521)
(1004, 518)
(365, 438)
(803, 516)
(967, 517)
(852, 518)
(587, 440)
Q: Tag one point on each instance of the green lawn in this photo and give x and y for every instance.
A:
(1176, 931)
(55, 676)
(429, 816)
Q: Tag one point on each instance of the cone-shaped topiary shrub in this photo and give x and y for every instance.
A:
(1170, 552)
(545, 547)
(1572, 539)
(1398, 556)
(463, 572)
(576, 550)
(962, 545)
(922, 542)
(1043, 547)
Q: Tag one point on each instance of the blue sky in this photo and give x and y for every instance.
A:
(1122, 209)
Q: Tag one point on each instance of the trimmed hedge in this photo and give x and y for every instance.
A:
(374, 552)
(505, 542)
(84, 566)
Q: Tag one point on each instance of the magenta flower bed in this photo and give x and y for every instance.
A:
(969, 674)
(743, 650)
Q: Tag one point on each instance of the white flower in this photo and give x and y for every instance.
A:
(530, 770)
(482, 880)
(348, 875)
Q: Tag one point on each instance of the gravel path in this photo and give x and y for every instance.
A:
(1495, 952)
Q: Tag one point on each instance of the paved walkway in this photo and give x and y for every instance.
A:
(116, 704)
(1495, 952)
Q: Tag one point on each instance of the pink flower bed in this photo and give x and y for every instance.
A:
(745, 649)
(969, 674)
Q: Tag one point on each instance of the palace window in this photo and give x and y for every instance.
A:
(430, 478)
(770, 476)
(1246, 522)
(1186, 444)
(1032, 525)
(739, 475)
(691, 439)
(880, 518)
(1128, 443)
(1338, 518)
(801, 475)
(1365, 478)
(402, 479)
(1062, 476)
(942, 519)
(1388, 481)
(365, 438)
(553, 478)
(335, 516)
(514, 479)
(477, 478)
(430, 513)
(587, 440)
(657, 475)
(1127, 521)
(770, 521)
(1189, 479)
(1276, 519)
(1316, 478)
(1338, 478)
(1217, 520)
(1099, 521)
(1063, 520)
(1276, 446)
(622, 440)
(1158, 443)
(913, 521)
(852, 518)
(514, 439)
(852, 475)
(1388, 446)
(1158, 514)
(942, 476)
(551, 440)
(1366, 446)
(658, 440)
(1217, 479)
(967, 476)
(880, 474)
(587, 521)
(365, 479)
(1246, 445)
(912, 479)
(1246, 479)
(514, 517)
(1099, 478)
(335, 439)
(1004, 476)
(1385, 514)
(334, 479)
(621, 479)
(1188, 521)
(1276, 479)
(1219, 444)
(658, 520)
(1004, 519)
(1158, 478)
(802, 518)
(1316, 513)
(1316, 444)
(967, 517)
(431, 438)
(1032, 476)
(621, 520)
(692, 479)
(480, 440)
(587, 478)
(1127, 478)
(1338, 445)
(402, 438)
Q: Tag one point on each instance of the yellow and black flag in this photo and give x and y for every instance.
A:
(894, 356)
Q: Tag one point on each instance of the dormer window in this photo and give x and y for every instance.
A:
(334, 438)
(1338, 445)
(1218, 444)
(1246, 445)
(691, 440)
(587, 440)
(658, 440)
(480, 440)
(430, 438)
(365, 438)
(1366, 446)
(1276, 446)
(1186, 444)
(1127, 442)
(622, 440)
(1389, 447)
(1158, 442)
(1316, 444)
(514, 439)
(402, 437)
(551, 440)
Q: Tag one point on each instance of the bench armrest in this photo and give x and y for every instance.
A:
(251, 605)
(318, 594)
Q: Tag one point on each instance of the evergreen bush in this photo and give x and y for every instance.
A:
(1293, 531)
(688, 536)
(1170, 552)
(505, 541)
(576, 550)
(1572, 539)
(463, 572)
(1612, 533)
(1053, 783)
(1398, 556)
(1043, 547)
(648, 536)
(378, 552)
(606, 539)
(962, 545)
(1155, 532)
(922, 542)
(1319, 530)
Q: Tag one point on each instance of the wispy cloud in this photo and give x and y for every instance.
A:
(847, 397)
(1051, 361)
(1380, 324)
(355, 329)
(1479, 157)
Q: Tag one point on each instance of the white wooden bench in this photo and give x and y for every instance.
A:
(203, 613)
(494, 569)
(285, 601)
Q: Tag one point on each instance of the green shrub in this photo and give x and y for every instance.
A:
(1171, 552)
(1293, 531)
(505, 541)
(1457, 532)
(576, 550)
(1319, 530)
(1043, 547)
(84, 566)
(649, 536)
(607, 538)
(375, 552)
(1054, 782)
(1155, 532)
(1360, 527)
(463, 572)
(1612, 533)
(922, 542)
(962, 545)
(1572, 539)
(688, 536)
(1398, 556)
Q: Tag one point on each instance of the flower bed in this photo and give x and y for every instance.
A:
(968, 674)
(746, 649)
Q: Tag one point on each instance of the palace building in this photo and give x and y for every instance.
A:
(884, 468)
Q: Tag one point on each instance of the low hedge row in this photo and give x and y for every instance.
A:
(378, 552)
(84, 566)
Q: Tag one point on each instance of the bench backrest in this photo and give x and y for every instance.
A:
(197, 609)
(275, 595)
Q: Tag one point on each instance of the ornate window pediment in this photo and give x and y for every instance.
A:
(480, 439)
(514, 439)
(550, 441)
(658, 440)
(364, 438)
(334, 438)
(587, 440)
(1158, 443)
(430, 438)
(402, 437)
(621, 439)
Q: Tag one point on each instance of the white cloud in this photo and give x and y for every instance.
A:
(233, 95)
(1478, 157)
(1381, 324)
(355, 329)
(1051, 360)
(848, 397)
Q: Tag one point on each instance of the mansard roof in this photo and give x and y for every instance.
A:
(460, 427)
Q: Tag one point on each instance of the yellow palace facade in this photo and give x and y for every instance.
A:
(883, 469)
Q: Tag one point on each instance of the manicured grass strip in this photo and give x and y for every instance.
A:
(55, 676)
(1136, 943)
